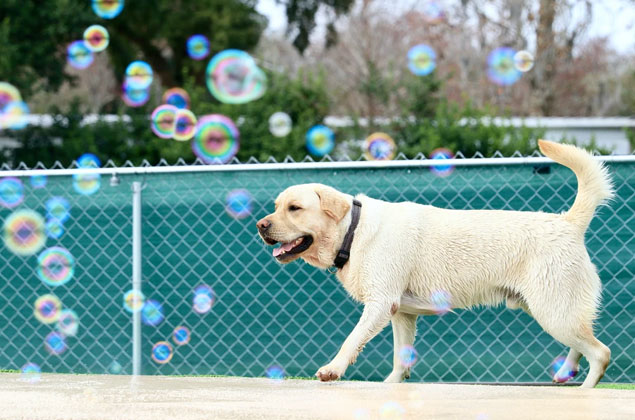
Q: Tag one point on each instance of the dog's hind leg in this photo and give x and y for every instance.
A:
(403, 333)
(598, 356)
(577, 334)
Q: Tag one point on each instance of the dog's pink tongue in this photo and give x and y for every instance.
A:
(283, 247)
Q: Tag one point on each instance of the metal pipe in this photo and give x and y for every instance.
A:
(374, 164)
(136, 276)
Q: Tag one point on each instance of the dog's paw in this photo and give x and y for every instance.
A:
(398, 376)
(329, 372)
(563, 375)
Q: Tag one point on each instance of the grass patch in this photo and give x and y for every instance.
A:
(616, 386)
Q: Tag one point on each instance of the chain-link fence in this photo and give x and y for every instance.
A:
(266, 314)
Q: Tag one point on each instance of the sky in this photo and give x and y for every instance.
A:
(612, 18)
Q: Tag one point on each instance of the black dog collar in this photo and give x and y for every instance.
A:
(345, 251)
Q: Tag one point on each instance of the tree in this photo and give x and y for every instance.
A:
(130, 139)
(301, 18)
(33, 39)
(157, 31)
(34, 36)
(543, 75)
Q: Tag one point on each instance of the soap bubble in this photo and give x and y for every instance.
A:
(234, 78)
(185, 125)
(524, 61)
(320, 140)
(96, 38)
(204, 298)
(163, 121)
(379, 146)
(139, 75)
(501, 67)
(24, 232)
(275, 373)
(55, 343)
(422, 60)
(78, 55)
(280, 124)
(107, 9)
(407, 356)
(31, 373)
(177, 97)
(198, 47)
(239, 203)
(162, 352)
(11, 192)
(216, 139)
(442, 154)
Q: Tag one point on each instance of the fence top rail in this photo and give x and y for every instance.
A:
(415, 163)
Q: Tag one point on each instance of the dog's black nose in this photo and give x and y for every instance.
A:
(263, 225)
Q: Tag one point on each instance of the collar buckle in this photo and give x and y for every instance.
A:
(341, 258)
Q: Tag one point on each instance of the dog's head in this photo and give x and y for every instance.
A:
(306, 224)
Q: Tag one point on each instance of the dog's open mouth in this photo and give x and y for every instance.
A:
(288, 249)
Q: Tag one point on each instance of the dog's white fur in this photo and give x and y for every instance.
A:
(404, 253)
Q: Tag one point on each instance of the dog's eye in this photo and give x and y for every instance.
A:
(294, 208)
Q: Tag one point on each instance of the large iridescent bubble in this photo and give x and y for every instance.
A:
(177, 97)
(442, 154)
(185, 125)
(280, 124)
(8, 94)
(152, 313)
(24, 232)
(134, 98)
(198, 47)
(68, 323)
(162, 352)
(55, 266)
(78, 55)
(379, 146)
(11, 192)
(422, 60)
(15, 116)
(523, 61)
(87, 184)
(239, 203)
(203, 299)
(58, 208)
(216, 139)
(233, 77)
(107, 9)
(13, 111)
(163, 121)
(96, 38)
(139, 75)
(47, 309)
(501, 68)
(320, 140)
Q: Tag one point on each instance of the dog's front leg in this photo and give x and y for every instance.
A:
(375, 317)
(404, 328)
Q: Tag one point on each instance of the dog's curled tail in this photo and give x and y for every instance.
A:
(594, 182)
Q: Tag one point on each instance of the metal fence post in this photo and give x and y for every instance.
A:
(136, 275)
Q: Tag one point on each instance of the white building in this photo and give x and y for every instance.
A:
(608, 132)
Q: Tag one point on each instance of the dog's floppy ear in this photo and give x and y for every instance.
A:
(332, 202)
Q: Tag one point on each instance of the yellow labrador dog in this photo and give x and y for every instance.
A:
(396, 257)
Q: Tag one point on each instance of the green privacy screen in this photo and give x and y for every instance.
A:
(292, 316)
